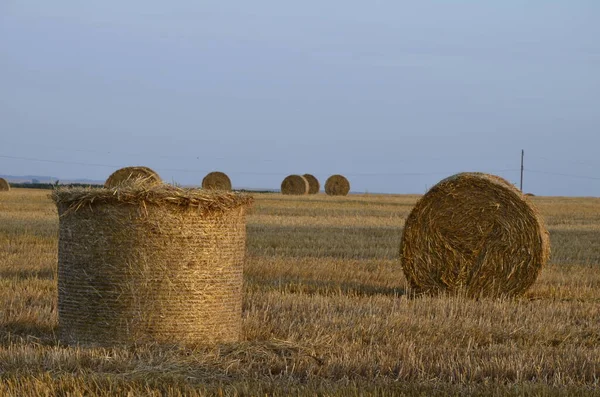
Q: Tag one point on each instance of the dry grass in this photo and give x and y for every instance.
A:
(326, 312)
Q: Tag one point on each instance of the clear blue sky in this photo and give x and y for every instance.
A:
(394, 94)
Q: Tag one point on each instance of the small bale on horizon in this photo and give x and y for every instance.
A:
(474, 234)
(294, 185)
(313, 183)
(337, 185)
(4, 185)
(216, 180)
(131, 175)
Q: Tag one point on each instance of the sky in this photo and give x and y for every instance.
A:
(395, 95)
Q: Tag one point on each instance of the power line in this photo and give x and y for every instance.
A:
(561, 174)
(554, 160)
(358, 174)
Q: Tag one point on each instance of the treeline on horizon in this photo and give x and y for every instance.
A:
(50, 186)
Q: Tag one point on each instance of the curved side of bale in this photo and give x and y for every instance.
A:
(150, 265)
(337, 185)
(295, 185)
(127, 175)
(475, 234)
(4, 185)
(217, 181)
(313, 184)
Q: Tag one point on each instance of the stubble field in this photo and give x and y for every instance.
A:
(326, 312)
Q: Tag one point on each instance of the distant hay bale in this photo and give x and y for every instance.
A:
(529, 194)
(476, 234)
(337, 185)
(150, 264)
(217, 181)
(127, 175)
(294, 184)
(313, 184)
(4, 185)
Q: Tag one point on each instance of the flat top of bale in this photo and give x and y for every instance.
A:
(139, 193)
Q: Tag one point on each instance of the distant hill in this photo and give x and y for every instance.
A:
(47, 179)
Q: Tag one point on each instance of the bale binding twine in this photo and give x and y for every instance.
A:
(313, 183)
(294, 184)
(158, 264)
(4, 185)
(128, 175)
(216, 180)
(337, 185)
(474, 234)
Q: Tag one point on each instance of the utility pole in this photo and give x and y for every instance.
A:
(522, 155)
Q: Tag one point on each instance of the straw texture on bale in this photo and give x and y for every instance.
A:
(157, 264)
(313, 183)
(474, 234)
(128, 175)
(337, 185)
(217, 181)
(4, 185)
(294, 184)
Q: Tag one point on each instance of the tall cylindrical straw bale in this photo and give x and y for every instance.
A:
(474, 234)
(337, 185)
(141, 264)
(129, 175)
(217, 181)
(295, 185)
(4, 185)
(313, 183)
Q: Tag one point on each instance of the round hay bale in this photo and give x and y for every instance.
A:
(529, 194)
(337, 185)
(313, 184)
(294, 184)
(155, 264)
(475, 234)
(217, 181)
(4, 185)
(127, 175)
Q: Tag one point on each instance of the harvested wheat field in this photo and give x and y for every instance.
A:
(326, 311)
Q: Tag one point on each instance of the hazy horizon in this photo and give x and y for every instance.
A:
(394, 95)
